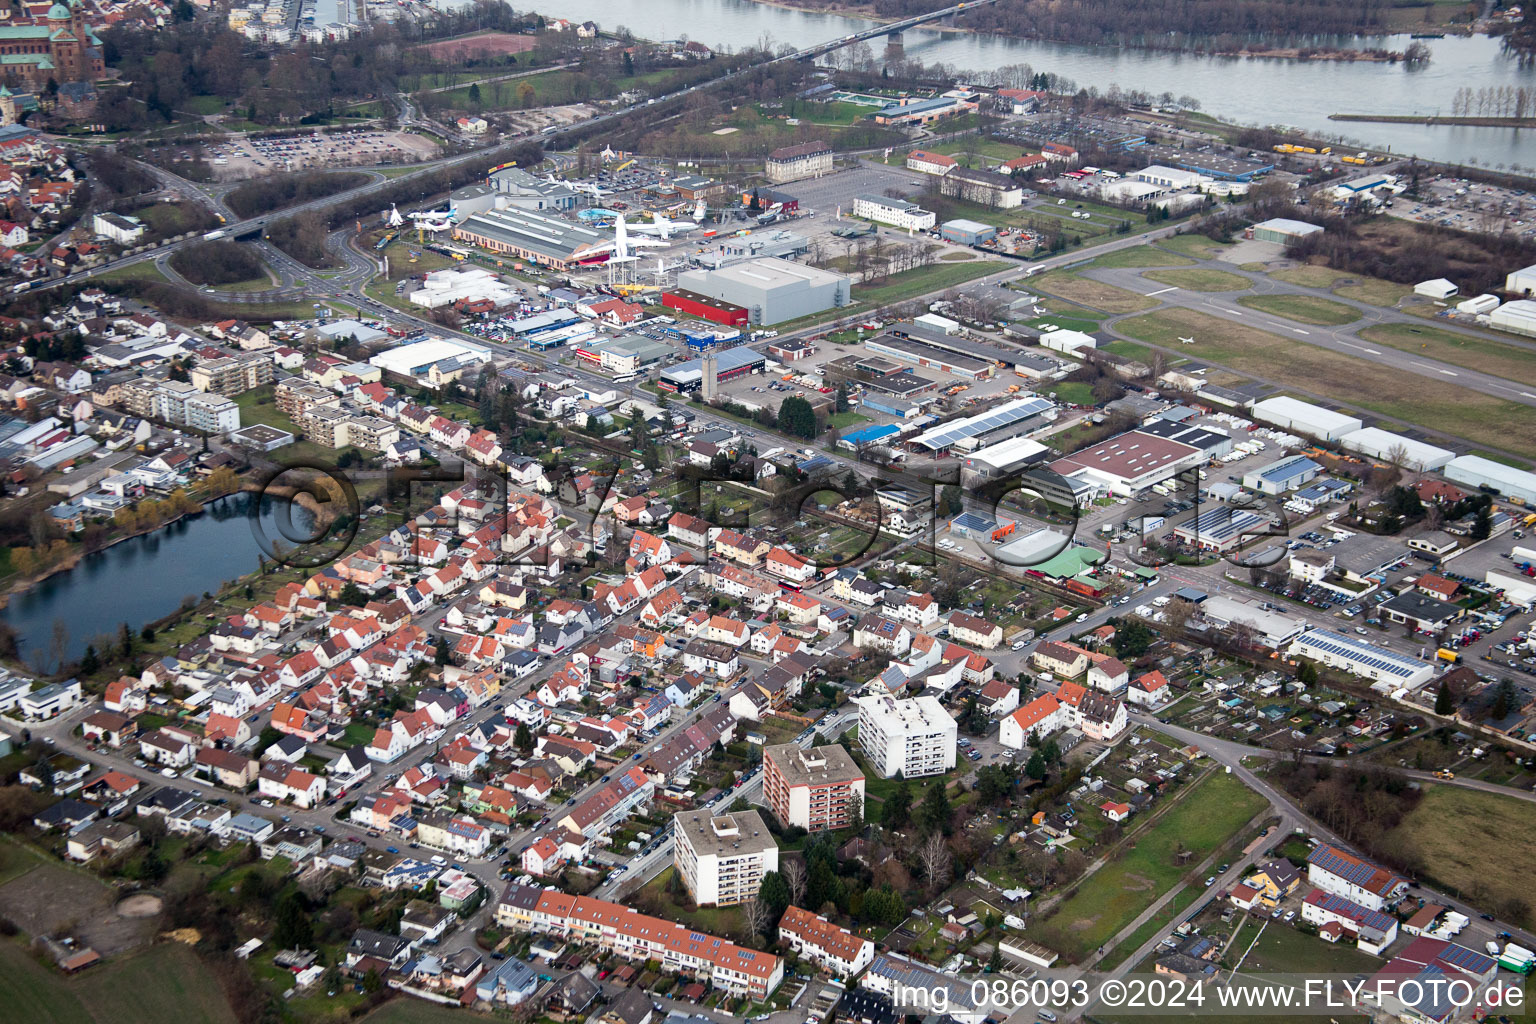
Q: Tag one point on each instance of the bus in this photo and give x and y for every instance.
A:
(625, 378)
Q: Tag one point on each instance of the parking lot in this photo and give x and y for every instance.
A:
(1470, 206)
(241, 157)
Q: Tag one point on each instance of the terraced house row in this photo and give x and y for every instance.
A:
(640, 937)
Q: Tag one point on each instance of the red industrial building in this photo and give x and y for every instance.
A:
(706, 308)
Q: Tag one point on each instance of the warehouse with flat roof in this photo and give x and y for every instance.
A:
(1272, 629)
(1305, 418)
(772, 290)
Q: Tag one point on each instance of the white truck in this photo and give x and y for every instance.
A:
(214, 236)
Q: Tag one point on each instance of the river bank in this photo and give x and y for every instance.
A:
(868, 13)
(1433, 119)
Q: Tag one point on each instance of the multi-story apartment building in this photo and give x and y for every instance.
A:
(326, 426)
(722, 858)
(817, 789)
(915, 737)
(212, 413)
(180, 404)
(639, 937)
(232, 374)
(295, 398)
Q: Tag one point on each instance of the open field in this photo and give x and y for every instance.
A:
(1307, 309)
(161, 983)
(1205, 816)
(1307, 276)
(480, 44)
(417, 1011)
(1477, 417)
(1192, 245)
(1129, 349)
(1377, 293)
(1067, 285)
(1141, 256)
(1349, 286)
(1461, 838)
(1200, 280)
(1511, 361)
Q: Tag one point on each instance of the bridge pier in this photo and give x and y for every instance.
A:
(894, 46)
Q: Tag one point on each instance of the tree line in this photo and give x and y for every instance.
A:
(263, 195)
(205, 263)
(1218, 25)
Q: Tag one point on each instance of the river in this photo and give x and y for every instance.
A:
(1257, 91)
(144, 578)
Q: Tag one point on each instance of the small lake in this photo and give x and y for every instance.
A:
(146, 578)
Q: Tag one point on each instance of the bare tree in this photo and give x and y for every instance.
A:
(756, 914)
(794, 877)
(935, 858)
(1177, 615)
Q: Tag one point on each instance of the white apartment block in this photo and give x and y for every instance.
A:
(915, 737)
(722, 858)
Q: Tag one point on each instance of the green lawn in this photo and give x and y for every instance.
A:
(1307, 309)
(1459, 836)
(844, 420)
(1199, 280)
(933, 278)
(1069, 323)
(1130, 350)
(1141, 256)
(1509, 361)
(1374, 291)
(1072, 391)
(145, 271)
(1204, 818)
(1482, 419)
(257, 406)
(1192, 245)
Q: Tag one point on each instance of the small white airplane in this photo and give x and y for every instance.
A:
(1187, 341)
(394, 219)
